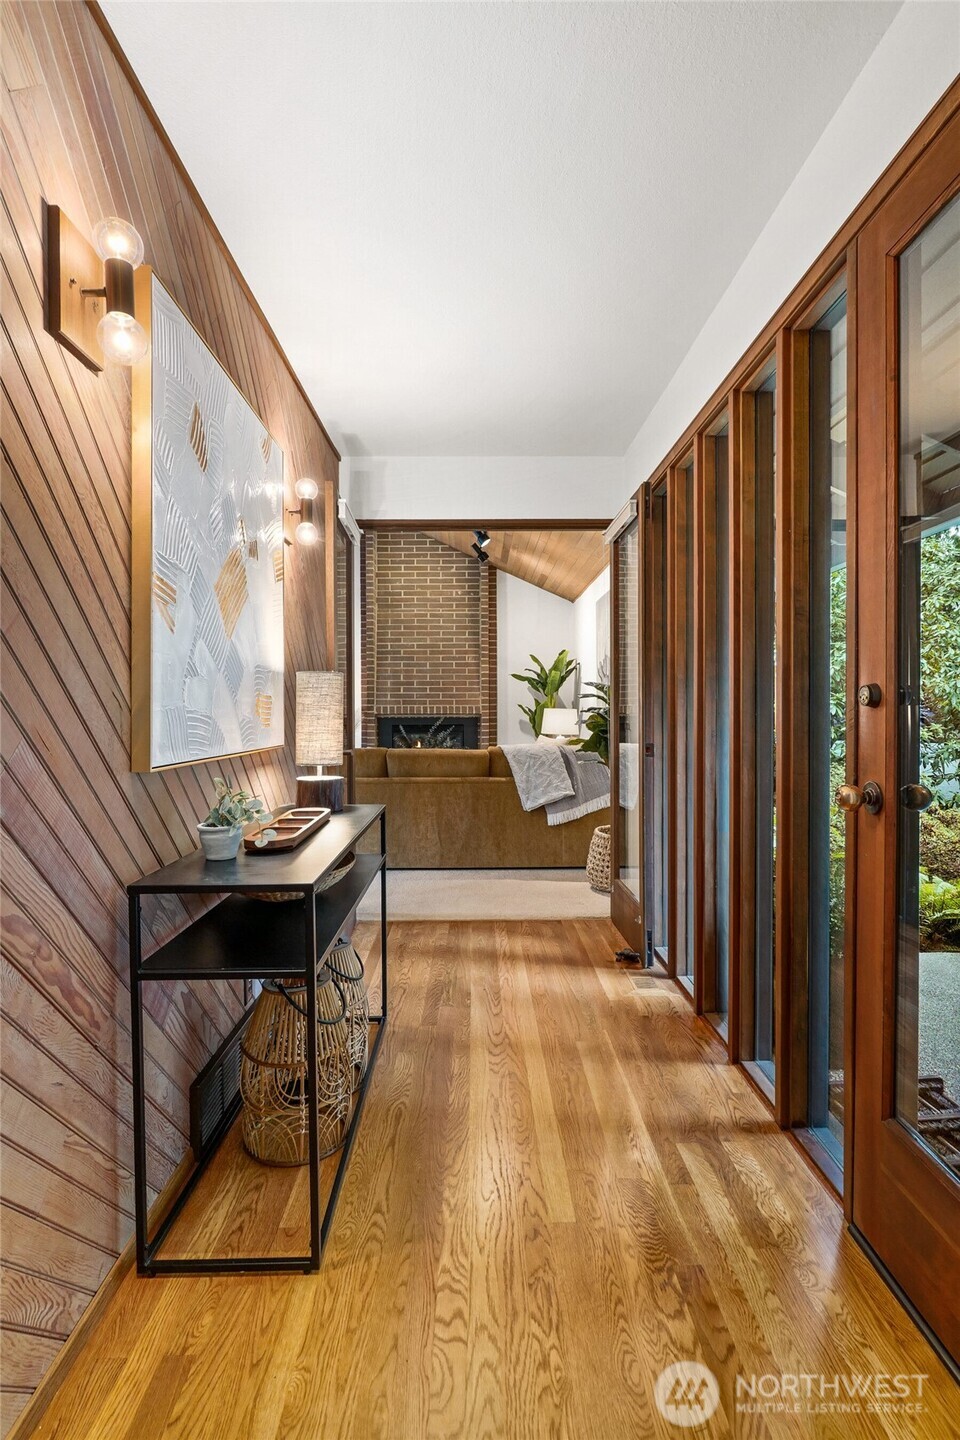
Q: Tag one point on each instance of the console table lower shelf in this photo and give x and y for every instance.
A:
(230, 1197)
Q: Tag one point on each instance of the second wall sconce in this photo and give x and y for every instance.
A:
(90, 306)
(306, 532)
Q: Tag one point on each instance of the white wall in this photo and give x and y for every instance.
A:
(914, 63)
(484, 487)
(585, 628)
(528, 619)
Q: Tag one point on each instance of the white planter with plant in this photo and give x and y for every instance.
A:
(221, 832)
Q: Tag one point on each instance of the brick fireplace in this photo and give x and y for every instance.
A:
(428, 638)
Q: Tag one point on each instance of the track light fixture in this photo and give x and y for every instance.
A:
(480, 553)
(90, 306)
(482, 538)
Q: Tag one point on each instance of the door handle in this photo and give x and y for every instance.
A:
(850, 798)
(916, 797)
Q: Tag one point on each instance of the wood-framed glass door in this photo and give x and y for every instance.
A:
(656, 771)
(682, 730)
(626, 901)
(906, 1142)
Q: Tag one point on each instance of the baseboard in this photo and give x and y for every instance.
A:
(36, 1407)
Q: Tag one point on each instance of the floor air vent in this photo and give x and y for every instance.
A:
(215, 1094)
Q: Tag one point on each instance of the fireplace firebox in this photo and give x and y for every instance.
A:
(449, 732)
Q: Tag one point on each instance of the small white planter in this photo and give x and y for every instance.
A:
(220, 842)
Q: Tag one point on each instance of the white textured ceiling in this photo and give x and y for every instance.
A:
(492, 229)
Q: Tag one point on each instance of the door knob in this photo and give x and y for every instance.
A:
(916, 797)
(851, 797)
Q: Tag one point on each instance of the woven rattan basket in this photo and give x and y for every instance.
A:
(343, 868)
(347, 969)
(273, 1072)
(598, 860)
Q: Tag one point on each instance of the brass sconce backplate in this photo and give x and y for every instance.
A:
(73, 265)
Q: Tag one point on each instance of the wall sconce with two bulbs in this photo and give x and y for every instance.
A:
(90, 306)
(306, 532)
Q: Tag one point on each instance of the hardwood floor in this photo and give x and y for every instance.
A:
(558, 1189)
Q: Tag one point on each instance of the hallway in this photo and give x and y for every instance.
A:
(559, 1189)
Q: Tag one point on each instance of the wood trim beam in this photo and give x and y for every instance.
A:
(543, 523)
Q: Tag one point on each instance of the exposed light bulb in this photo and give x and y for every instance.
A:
(307, 533)
(121, 338)
(307, 489)
(116, 239)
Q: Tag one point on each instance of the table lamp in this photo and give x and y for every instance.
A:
(560, 723)
(319, 737)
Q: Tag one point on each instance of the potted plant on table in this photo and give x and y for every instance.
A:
(221, 832)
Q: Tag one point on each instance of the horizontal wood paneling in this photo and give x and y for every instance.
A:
(77, 825)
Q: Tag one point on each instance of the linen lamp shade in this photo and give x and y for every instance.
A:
(320, 737)
(319, 717)
(560, 722)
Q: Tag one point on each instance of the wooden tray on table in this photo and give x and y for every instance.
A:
(292, 827)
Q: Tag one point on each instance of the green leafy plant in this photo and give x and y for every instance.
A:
(597, 722)
(545, 686)
(939, 913)
(238, 807)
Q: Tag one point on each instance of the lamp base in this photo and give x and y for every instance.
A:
(321, 790)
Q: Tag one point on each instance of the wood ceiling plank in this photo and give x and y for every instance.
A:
(563, 562)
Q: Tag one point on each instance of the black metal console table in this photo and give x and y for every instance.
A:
(244, 939)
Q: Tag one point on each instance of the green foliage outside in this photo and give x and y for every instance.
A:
(939, 742)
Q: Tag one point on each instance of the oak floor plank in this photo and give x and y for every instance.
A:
(557, 1190)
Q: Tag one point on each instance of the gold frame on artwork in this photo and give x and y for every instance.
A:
(141, 576)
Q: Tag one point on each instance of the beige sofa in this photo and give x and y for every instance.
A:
(459, 810)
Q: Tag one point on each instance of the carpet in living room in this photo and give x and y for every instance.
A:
(486, 895)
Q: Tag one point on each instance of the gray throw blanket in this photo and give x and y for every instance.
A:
(591, 788)
(540, 774)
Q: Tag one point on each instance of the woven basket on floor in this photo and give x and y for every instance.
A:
(598, 860)
(347, 969)
(273, 1072)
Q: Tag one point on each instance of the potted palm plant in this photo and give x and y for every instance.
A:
(545, 686)
(221, 832)
(597, 722)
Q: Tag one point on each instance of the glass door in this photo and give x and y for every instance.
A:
(906, 1172)
(827, 759)
(681, 669)
(655, 772)
(627, 897)
(758, 758)
(715, 674)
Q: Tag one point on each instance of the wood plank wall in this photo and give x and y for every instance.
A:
(76, 824)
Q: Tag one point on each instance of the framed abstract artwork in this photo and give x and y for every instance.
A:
(207, 574)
